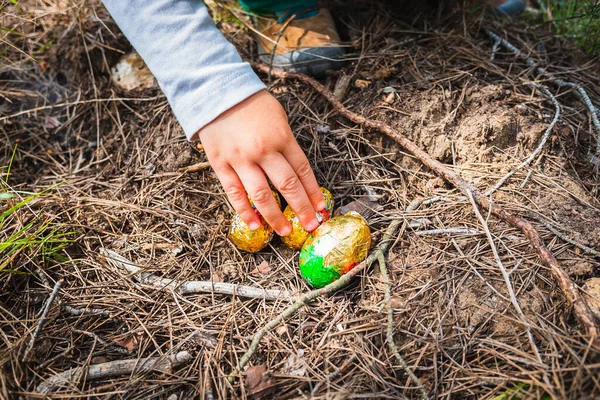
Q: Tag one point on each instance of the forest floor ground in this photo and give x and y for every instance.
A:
(111, 160)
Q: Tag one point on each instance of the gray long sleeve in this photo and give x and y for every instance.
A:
(199, 71)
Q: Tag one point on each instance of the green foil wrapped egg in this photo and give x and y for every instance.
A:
(298, 236)
(334, 248)
(251, 240)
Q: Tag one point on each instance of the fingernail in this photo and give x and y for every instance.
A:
(321, 206)
(312, 225)
(285, 231)
(254, 225)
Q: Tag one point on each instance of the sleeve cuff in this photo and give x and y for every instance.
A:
(229, 92)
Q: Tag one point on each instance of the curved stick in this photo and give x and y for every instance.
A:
(594, 114)
(569, 289)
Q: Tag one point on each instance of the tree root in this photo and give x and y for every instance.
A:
(569, 289)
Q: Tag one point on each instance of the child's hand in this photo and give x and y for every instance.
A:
(250, 140)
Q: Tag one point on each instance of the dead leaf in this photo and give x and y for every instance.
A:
(206, 340)
(51, 123)
(132, 73)
(383, 73)
(258, 383)
(389, 99)
(129, 342)
(262, 269)
(217, 277)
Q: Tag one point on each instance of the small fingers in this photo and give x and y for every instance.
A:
(298, 161)
(288, 183)
(236, 193)
(255, 182)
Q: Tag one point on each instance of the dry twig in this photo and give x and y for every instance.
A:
(334, 374)
(191, 287)
(564, 237)
(569, 289)
(201, 166)
(43, 317)
(390, 326)
(118, 348)
(85, 311)
(459, 231)
(506, 276)
(113, 369)
(540, 146)
(559, 82)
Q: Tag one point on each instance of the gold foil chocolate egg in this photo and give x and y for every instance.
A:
(298, 236)
(328, 211)
(334, 248)
(249, 240)
(296, 239)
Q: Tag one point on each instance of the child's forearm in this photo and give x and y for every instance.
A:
(199, 71)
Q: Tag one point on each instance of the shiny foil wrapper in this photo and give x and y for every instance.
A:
(334, 248)
(328, 211)
(296, 239)
(249, 240)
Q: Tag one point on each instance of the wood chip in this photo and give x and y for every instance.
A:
(201, 166)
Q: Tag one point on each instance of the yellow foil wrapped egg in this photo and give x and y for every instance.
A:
(296, 239)
(251, 240)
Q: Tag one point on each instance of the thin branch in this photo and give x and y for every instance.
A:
(113, 369)
(191, 287)
(461, 231)
(559, 82)
(85, 311)
(334, 374)
(506, 276)
(569, 289)
(201, 166)
(564, 237)
(43, 317)
(117, 348)
(390, 326)
(538, 149)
